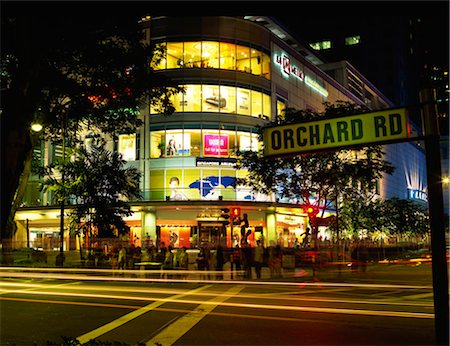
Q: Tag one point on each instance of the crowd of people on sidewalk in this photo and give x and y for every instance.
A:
(244, 260)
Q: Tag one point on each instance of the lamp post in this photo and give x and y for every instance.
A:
(60, 256)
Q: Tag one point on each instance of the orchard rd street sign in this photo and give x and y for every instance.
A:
(354, 130)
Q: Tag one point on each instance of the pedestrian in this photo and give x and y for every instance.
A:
(122, 259)
(219, 261)
(277, 261)
(258, 258)
(203, 260)
(235, 260)
(168, 261)
(247, 260)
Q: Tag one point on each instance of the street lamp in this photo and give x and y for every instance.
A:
(36, 127)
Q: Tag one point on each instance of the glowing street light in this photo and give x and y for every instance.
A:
(36, 127)
(445, 180)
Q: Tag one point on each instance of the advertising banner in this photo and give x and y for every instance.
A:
(215, 145)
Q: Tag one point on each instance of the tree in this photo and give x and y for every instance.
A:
(316, 180)
(100, 184)
(405, 218)
(69, 71)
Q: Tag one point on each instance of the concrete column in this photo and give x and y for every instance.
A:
(271, 223)
(149, 225)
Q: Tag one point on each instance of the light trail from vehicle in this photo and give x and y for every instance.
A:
(6, 272)
(272, 296)
(236, 305)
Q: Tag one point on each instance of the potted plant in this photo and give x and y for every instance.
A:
(162, 148)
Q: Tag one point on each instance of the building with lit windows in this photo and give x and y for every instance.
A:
(238, 74)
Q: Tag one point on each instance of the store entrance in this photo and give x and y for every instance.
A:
(212, 233)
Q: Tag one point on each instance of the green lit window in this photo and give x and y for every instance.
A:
(321, 45)
(352, 40)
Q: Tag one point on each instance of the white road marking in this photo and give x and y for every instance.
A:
(176, 330)
(132, 315)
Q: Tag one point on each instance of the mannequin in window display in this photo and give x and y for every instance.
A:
(176, 194)
(171, 148)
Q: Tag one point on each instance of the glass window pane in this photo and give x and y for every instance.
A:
(243, 59)
(157, 185)
(212, 101)
(243, 101)
(177, 101)
(175, 187)
(192, 54)
(195, 138)
(174, 54)
(267, 106)
(157, 144)
(256, 104)
(159, 61)
(227, 56)
(349, 41)
(215, 144)
(266, 66)
(256, 62)
(192, 98)
(281, 106)
(174, 143)
(210, 54)
(127, 146)
(228, 184)
(192, 183)
(229, 95)
(210, 187)
(230, 137)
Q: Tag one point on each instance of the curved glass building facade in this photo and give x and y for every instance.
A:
(238, 75)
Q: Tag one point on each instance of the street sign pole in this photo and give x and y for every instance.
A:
(436, 215)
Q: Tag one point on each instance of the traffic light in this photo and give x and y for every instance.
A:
(236, 216)
(312, 210)
(225, 214)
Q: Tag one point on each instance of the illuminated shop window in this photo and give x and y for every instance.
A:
(256, 62)
(157, 191)
(223, 99)
(192, 99)
(321, 45)
(352, 40)
(256, 104)
(200, 184)
(227, 56)
(229, 94)
(212, 101)
(174, 55)
(192, 55)
(281, 106)
(127, 147)
(266, 63)
(267, 106)
(243, 101)
(212, 54)
(201, 143)
(243, 59)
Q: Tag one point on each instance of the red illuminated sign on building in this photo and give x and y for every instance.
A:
(215, 145)
(285, 62)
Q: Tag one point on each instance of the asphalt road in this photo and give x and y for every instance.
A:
(42, 308)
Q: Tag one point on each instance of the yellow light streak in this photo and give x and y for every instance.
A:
(4, 272)
(252, 306)
(272, 296)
